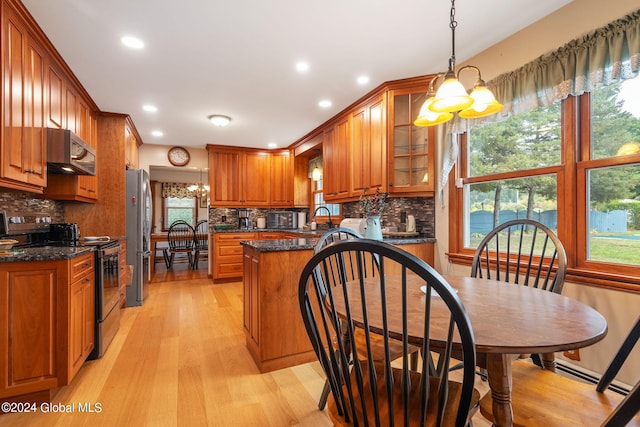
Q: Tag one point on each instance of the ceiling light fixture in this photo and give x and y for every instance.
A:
(363, 80)
(325, 103)
(452, 97)
(219, 120)
(157, 133)
(199, 190)
(150, 108)
(132, 42)
(302, 66)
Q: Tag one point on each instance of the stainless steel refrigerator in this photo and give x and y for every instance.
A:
(138, 204)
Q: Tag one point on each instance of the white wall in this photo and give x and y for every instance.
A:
(577, 18)
(154, 159)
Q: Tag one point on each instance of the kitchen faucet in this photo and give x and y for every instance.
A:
(329, 223)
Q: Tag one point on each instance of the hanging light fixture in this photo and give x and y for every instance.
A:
(199, 190)
(452, 97)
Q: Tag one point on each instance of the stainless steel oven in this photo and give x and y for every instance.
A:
(107, 296)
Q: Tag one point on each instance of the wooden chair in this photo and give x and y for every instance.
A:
(366, 387)
(181, 239)
(542, 398)
(525, 252)
(201, 241)
(335, 235)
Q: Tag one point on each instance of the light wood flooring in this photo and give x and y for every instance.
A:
(181, 360)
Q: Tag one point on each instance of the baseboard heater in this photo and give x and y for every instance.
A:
(587, 376)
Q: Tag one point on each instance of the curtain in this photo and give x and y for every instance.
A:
(604, 56)
(176, 189)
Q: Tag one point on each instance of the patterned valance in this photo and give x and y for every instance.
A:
(177, 189)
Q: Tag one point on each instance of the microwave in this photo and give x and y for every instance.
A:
(282, 220)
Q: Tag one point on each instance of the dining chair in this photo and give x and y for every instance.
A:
(367, 388)
(335, 235)
(181, 239)
(543, 398)
(201, 241)
(525, 252)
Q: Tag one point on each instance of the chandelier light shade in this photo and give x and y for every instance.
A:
(452, 97)
(426, 117)
(199, 190)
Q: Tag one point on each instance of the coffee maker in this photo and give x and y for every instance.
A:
(244, 219)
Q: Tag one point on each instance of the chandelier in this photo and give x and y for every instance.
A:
(199, 190)
(451, 96)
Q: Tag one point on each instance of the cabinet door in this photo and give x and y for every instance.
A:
(411, 149)
(81, 322)
(369, 147)
(256, 182)
(281, 179)
(251, 298)
(29, 332)
(336, 161)
(23, 93)
(225, 179)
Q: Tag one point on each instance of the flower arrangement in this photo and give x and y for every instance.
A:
(373, 205)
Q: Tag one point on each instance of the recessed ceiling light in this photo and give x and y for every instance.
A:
(325, 103)
(150, 108)
(363, 80)
(302, 66)
(219, 120)
(132, 42)
(157, 133)
(272, 145)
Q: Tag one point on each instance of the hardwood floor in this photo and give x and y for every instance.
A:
(180, 360)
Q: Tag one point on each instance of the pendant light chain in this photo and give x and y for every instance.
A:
(453, 24)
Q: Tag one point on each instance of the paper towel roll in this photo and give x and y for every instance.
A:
(302, 220)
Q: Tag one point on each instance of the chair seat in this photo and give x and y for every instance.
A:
(543, 398)
(414, 414)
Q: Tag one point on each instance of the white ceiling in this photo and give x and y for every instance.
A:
(238, 57)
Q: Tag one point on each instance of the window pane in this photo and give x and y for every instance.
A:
(492, 203)
(179, 209)
(614, 215)
(615, 119)
(525, 141)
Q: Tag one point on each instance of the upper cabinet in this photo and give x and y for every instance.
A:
(369, 146)
(411, 148)
(336, 165)
(23, 148)
(243, 177)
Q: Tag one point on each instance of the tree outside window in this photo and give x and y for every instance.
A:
(175, 208)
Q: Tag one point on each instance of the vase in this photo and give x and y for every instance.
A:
(374, 229)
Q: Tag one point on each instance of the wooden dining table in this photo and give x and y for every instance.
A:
(507, 320)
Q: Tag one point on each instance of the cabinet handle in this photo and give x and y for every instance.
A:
(86, 281)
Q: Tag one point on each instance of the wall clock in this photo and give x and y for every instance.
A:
(178, 156)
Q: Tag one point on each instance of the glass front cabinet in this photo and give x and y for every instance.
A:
(411, 148)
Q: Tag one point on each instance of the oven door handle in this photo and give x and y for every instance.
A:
(146, 253)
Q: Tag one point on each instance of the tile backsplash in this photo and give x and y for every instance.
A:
(17, 202)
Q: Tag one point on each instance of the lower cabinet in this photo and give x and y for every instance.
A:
(46, 327)
(227, 254)
(274, 331)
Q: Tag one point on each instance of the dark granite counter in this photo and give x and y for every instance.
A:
(303, 243)
(44, 253)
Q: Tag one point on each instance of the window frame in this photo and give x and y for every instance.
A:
(165, 226)
(572, 207)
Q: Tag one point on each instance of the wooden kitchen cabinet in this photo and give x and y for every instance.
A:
(23, 146)
(411, 148)
(227, 254)
(369, 147)
(47, 330)
(81, 312)
(274, 331)
(336, 160)
(240, 178)
(281, 192)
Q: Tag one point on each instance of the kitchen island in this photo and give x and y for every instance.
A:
(274, 331)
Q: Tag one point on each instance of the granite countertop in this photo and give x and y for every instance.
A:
(44, 253)
(303, 243)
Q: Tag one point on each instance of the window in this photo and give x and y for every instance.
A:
(318, 201)
(574, 166)
(175, 208)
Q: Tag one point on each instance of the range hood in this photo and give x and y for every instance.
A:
(68, 154)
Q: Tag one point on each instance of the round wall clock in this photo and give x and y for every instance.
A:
(178, 156)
